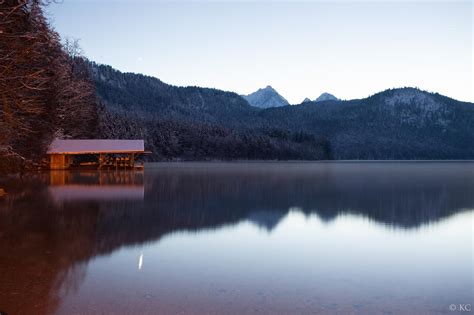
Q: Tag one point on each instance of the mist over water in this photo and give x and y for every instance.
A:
(239, 238)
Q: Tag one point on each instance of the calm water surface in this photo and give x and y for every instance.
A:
(240, 238)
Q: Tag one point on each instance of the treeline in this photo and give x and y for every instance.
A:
(45, 90)
(170, 140)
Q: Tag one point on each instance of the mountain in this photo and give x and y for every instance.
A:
(140, 94)
(306, 100)
(193, 123)
(200, 123)
(265, 219)
(326, 97)
(266, 98)
(404, 123)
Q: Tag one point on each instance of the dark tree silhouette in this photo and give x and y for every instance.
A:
(44, 91)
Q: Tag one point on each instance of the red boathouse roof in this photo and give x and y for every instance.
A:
(95, 146)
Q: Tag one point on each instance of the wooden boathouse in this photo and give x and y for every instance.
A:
(95, 153)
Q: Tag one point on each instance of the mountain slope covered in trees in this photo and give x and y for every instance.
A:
(192, 123)
(404, 123)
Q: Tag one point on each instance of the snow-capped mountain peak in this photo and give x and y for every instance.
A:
(265, 98)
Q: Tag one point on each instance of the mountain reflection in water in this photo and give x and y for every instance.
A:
(53, 224)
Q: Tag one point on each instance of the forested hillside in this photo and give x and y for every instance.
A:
(404, 123)
(129, 92)
(193, 123)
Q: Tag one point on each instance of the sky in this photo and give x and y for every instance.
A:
(302, 49)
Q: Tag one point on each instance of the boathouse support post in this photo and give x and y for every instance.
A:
(101, 160)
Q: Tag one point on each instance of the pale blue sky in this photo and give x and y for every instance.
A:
(350, 49)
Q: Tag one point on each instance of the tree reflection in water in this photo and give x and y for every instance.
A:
(52, 224)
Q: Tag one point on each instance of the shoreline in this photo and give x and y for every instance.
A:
(31, 171)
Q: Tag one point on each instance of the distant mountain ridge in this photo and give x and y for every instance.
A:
(326, 97)
(266, 98)
(200, 123)
(321, 98)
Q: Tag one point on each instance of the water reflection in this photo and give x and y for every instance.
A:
(96, 185)
(53, 224)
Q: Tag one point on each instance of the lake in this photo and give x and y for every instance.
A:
(240, 238)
